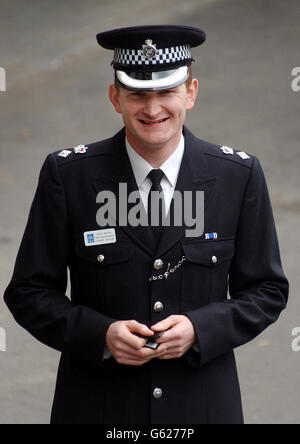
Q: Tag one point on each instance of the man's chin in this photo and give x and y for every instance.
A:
(156, 138)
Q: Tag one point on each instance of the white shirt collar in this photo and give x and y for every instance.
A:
(141, 168)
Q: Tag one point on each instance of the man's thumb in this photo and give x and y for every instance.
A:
(142, 329)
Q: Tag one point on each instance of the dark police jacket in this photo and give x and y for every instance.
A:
(198, 388)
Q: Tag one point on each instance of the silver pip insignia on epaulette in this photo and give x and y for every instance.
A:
(64, 153)
(243, 155)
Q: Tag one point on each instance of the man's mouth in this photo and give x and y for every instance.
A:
(153, 122)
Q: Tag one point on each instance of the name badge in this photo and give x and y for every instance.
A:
(100, 237)
(209, 236)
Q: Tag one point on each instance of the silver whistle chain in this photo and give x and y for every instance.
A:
(169, 271)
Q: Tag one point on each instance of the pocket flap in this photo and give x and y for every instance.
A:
(106, 254)
(209, 253)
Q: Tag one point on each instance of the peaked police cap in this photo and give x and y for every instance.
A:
(151, 58)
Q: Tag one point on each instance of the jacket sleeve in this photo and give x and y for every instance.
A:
(258, 287)
(36, 294)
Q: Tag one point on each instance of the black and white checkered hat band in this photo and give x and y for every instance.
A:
(166, 55)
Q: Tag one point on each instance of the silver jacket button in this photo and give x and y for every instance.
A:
(157, 393)
(158, 306)
(158, 264)
(100, 258)
(214, 259)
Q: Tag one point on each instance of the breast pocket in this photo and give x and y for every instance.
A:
(206, 270)
(103, 275)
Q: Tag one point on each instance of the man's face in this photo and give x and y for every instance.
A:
(154, 119)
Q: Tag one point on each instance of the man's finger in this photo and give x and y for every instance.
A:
(130, 351)
(172, 334)
(129, 336)
(165, 324)
(133, 341)
(142, 329)
(172, 353)
(164, 357)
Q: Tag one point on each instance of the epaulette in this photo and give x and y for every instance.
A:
(80, 149)
(228, 153)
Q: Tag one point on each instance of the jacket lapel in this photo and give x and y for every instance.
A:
(121, 172)
(192, 177)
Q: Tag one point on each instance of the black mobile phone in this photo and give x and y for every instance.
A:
(151, 343)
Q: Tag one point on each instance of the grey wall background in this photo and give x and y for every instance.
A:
(57, 81)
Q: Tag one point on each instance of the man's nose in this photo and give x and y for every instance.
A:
(152, 107)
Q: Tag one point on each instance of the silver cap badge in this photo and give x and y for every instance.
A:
(149, 50)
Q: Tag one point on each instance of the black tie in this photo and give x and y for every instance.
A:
(155, 176)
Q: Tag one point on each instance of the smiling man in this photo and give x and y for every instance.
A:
(155, 315)
(154, 120)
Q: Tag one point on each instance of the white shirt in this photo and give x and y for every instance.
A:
(141, 168)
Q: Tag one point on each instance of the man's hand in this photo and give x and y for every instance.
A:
(179, 337)
(126, 347)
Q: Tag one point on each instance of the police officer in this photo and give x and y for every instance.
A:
(149, 333)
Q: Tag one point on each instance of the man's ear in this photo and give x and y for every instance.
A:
(114, 98)
(192, 92)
